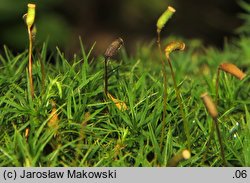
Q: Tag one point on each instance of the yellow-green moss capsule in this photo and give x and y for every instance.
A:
(176, 45)
(31, 15)
(164, 18)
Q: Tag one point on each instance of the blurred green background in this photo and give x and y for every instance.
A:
(63, 21)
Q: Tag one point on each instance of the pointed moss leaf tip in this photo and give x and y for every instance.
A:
(54, 119)
(209, 104)
(30, 17)
(173, 46)
(162, 20)
(113, 48)
(233, 70)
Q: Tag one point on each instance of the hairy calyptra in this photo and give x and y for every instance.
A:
(113, 48)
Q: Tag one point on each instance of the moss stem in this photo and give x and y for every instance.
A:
(164, 90)
(106, 76)
(30, 64)
(177, 91)
(217, 86)
(220, 141)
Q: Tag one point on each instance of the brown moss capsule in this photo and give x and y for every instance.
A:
(209, 104)
(233, 70)
(113, 48)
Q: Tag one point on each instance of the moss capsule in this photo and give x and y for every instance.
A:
(164, 18)
(113, 48)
